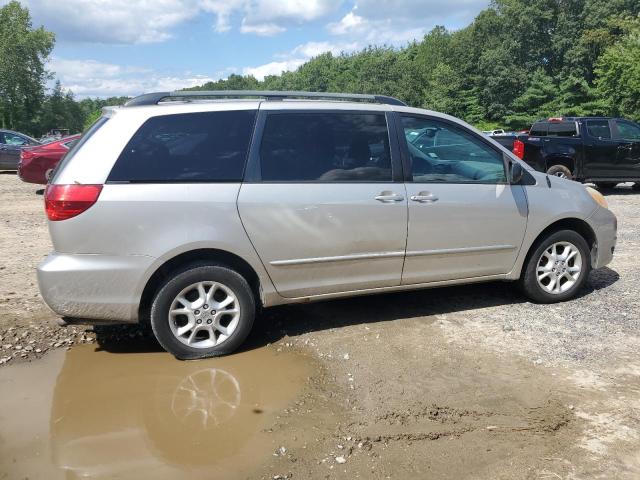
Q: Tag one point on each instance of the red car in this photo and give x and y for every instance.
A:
(36, 161)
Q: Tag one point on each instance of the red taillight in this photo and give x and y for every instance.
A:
(66, 201)
(26, 154)
(518, 149)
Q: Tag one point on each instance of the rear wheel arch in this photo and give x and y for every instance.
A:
(183, 261)
(561, 160)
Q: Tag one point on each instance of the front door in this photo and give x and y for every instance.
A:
(465, 220)
(601, 151)
(320, 203)
(628, 136)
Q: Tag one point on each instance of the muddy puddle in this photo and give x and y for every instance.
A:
(84, 413)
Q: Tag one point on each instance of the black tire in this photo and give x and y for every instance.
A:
(560, 170)
(606, 185)
(529, 281)
(183, 279)
(636, 186)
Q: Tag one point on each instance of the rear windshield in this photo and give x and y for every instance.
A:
(74, 147)
(539, 129)
(189, 147)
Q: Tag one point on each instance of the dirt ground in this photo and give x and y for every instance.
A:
(455, 383)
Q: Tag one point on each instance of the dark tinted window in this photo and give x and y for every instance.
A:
(325, 147)
(599, 128)
(441, 152)
(562, 129)
(539, 129)
(628, 131)
(189, 147)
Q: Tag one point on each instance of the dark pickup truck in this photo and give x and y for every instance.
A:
(602, 150)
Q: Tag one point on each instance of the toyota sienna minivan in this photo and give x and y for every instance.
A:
(194, 210)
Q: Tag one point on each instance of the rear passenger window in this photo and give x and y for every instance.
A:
(599, 128)
(325, 147)
(442, 153)
(563, 129)
(190, 147)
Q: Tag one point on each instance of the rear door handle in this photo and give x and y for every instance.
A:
(389, 197)
(424, 197)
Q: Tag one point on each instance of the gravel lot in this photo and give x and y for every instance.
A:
(465, 382)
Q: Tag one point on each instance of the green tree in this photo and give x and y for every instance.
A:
(23, 54)
(618, 75)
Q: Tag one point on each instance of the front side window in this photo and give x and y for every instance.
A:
(189, 147)
(442, 153)
(628, 131)
(325, 147)
(599, 129)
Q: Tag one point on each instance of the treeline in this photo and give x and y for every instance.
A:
(518, 61)
(25, 104)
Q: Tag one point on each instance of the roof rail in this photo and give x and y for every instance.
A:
(155, 98)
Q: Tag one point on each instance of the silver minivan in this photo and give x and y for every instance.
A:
(193, 210)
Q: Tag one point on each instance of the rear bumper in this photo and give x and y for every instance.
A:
(605, 225)
(93, 287)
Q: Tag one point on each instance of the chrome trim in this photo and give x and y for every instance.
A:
(450, 251)
(339, 258)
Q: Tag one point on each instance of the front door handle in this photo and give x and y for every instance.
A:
(389, 197)
(424, 197)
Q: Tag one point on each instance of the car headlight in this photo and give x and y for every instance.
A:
(597, 197)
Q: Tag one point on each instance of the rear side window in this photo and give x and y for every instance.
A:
(325, 147)
(189, 147)
(563, 129)
(539, 130)
(88, 133)
(599, 128)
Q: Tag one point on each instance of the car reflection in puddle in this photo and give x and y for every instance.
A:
(148, 415)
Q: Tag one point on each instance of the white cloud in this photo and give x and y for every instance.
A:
(272, 68)
(313, 49)
(350, 23)
(90, 78)
(149, 21)
(400, 21)
(262, 29)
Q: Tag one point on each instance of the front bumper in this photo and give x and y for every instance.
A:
(605, 225)
(93, 287)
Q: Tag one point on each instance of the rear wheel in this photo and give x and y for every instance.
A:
(560, 171)
(557, 268)
(203, 311)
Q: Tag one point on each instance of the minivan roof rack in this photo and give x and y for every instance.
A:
(157, 97)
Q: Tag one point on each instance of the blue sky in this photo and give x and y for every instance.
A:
(128, 47)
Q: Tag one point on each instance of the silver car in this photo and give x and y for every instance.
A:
(192, 211)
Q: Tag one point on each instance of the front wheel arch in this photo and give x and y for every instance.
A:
(577, 225)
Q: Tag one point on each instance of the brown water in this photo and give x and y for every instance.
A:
(87, 413)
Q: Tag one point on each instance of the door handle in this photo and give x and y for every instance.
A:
(424, 197)
(388, 197)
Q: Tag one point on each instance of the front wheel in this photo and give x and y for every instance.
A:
(557, 268)
(203, 311)
(560, 171)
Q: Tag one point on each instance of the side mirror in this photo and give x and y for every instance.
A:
(515, 172)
